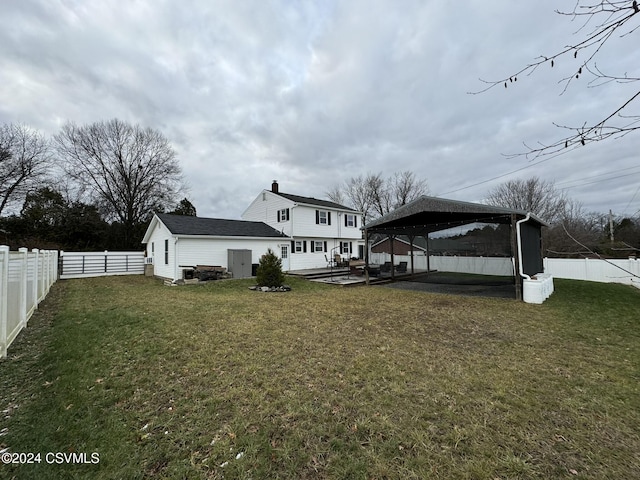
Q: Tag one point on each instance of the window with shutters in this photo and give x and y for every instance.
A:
(298, 246)
(345, 248)
(283, 215)
(319, 246)
(350, 220)
(323, 217)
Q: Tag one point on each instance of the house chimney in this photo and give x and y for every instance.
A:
(274, 186)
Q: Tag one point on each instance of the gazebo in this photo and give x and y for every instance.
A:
(426, 215)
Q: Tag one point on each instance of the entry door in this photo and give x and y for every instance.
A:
(284, 256)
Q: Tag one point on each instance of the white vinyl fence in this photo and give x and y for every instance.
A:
(25, 279)
(478, 265)
(625, 271)
(97, 264)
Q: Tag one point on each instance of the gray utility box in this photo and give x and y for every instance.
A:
(239, 263)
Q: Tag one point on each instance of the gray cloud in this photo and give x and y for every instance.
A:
(311, 93)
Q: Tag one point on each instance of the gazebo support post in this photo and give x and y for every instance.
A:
(366, 256)
(392, 240)
(411, 237)
(516, 257)
(426, 241)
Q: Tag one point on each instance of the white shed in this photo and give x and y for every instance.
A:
(175, 243)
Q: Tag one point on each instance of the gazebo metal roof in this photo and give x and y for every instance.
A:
(431, 214)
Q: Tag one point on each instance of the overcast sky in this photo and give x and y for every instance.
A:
(312, 93)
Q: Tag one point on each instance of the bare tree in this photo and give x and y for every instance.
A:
(126, 169)
(24, 163)
(336, 194)
(380, 195)
(601, 20)
(355, 193)
(574, 228)
(533, 195)
(406, 187)
(374, 196)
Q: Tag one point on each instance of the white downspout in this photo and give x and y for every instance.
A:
(525, 219)
(175, 260)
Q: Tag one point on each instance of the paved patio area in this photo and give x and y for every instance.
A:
(457, 284)
(341, 280)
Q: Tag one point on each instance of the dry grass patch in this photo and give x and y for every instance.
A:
(323, 382)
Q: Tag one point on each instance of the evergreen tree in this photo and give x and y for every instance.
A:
(269, 273)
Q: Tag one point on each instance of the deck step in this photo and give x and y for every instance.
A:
(315, 274)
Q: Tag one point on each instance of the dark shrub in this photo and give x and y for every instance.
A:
(269, 272)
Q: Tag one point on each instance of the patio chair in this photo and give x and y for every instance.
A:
(338, 261)
(386, 267)
(402, 267)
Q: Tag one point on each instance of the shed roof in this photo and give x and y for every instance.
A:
(219, 227)
(432, 214)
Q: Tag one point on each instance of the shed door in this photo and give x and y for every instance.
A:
(239, 262)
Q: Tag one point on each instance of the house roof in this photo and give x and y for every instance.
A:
(432, 214)
(313, 201)
(218, 227)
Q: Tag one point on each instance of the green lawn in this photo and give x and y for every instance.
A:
(218, 381)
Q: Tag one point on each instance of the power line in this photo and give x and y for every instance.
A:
(550, 157)
(597, 181)
(630, 201)
(599, 175)
(494, 178)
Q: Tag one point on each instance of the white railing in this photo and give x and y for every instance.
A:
(25, 279)
(98, 264)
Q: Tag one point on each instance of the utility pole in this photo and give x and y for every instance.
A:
(611, 225)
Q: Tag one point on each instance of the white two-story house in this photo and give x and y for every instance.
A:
(319, 229)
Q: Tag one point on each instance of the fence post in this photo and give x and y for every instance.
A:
(4, 293)
(45, 272)
(47, 284)
(36, 300)
(23, 286)
(54, 267)
(55, 275)
(105, 260)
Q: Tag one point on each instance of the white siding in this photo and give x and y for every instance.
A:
(158, 236)
(267, 211)
(302, 218)
(309, 259)
(213, 251)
